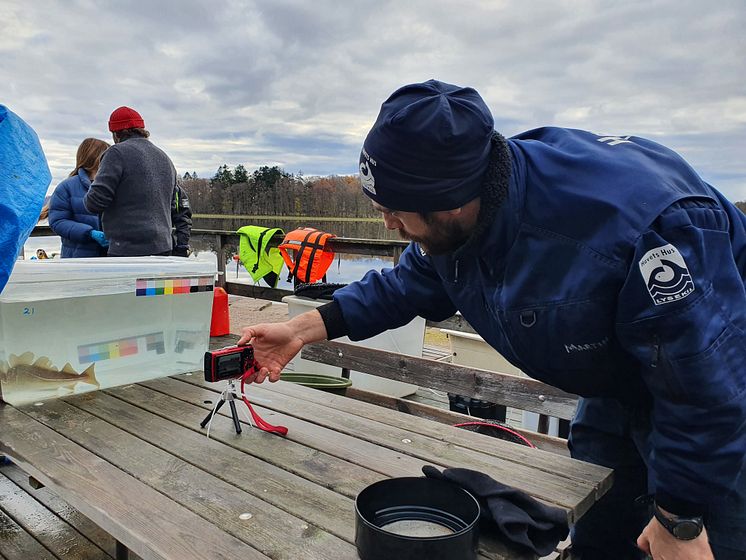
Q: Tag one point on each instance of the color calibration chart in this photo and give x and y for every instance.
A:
(123, 347)
(147, 287)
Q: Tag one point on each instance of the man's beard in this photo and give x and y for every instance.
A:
(443, 236)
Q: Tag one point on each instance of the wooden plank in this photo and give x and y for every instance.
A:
(152, 526)
(510, 390)
(445, 416)
(256, 291)
(326, 440)
(346, 245)
(55, 535)
(436, 353)
(454, 323)
(571, 494)
(62, 509)
(316, 504)
(587, 473)
(271, 531)
(183, 404)
(17, 544)
(189, 416)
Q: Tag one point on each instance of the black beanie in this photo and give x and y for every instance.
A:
(429, 148)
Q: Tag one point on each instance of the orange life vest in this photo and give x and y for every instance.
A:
(310, 258)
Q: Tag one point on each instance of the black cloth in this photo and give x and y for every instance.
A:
(181, 219)
(512, 514)
(335, 324)
(317, 290)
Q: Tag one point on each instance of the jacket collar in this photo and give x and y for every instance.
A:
(494, 243)
(84, 179)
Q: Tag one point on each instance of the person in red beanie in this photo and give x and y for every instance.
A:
(133, 190)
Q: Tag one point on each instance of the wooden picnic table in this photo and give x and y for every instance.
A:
(136, 462)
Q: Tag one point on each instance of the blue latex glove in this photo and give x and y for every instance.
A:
(99, 237)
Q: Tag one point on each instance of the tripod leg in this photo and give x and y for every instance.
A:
(211, 414)
(234, 413)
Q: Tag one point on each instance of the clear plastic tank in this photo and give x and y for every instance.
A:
(76, 325)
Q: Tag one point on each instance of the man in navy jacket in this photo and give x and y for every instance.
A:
(602, 265)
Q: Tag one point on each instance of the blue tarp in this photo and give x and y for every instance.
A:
(24, 179)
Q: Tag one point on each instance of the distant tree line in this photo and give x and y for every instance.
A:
(270, 191)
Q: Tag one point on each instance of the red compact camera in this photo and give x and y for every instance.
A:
(228, 363)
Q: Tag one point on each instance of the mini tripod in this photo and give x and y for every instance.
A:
(228, 395)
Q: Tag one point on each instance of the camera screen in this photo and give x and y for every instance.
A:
(229, 366)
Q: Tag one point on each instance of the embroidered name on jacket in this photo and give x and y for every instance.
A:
(570, 348)
(665, 274)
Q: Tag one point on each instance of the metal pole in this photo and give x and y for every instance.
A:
(220, 250)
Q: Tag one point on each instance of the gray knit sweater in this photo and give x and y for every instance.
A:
(132, 191)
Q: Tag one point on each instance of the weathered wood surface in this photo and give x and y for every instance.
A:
(36, 523)
(132, 512)
(519, 392)
(445, 416)
(135, 462)
(571, 484)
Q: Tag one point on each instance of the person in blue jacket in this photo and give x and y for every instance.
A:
(79, 229)
(601, 264)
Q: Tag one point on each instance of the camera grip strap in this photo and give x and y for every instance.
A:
(258, 420)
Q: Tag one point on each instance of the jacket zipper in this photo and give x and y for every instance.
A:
(656, 352)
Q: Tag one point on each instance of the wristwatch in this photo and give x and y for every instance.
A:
(683, 528)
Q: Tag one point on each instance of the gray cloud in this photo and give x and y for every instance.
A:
(298, 83)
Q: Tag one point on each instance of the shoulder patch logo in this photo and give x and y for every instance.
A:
(665, 274)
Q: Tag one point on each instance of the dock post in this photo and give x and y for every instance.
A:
(220, 251)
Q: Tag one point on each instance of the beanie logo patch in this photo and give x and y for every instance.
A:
(366, 173)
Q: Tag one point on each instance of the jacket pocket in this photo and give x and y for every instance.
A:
(571, 344)
(716, 375)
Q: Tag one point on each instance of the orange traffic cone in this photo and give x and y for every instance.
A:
(221, 321)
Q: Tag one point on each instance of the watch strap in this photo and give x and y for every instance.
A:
(682, 528)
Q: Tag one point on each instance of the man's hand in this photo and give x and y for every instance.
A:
(657, 542)
(275, 344)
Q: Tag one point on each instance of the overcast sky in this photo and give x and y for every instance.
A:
(298, 83)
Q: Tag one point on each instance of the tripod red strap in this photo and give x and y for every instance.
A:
(258, 420)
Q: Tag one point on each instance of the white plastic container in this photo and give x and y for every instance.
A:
(76, 325)
(404, 340)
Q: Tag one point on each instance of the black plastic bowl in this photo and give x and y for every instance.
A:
(416, 518)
